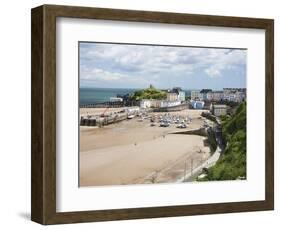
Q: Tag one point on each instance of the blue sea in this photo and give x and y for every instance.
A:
(100, 95)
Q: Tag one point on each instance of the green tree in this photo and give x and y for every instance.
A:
(149, 93)
(232, 163)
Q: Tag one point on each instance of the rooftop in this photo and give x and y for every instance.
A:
(220, 106)
(205, 91)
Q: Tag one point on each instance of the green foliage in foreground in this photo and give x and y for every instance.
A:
(212, 141)
(232, 164)
(149, 93)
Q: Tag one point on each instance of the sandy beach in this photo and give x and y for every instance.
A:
(133, 152)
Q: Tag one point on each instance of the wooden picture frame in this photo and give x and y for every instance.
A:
(43, 189)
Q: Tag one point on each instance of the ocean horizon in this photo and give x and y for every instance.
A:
(99, 95)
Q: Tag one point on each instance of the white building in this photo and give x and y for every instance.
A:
(171, 96)
(204, 94)
(181, 96)
(145, 103)
(214, 96)
(151, 103)
(169, 103)
(115, 99)
(219, 110)
(217, 95)
(240, 96)
(209, 96)
(234, 94)
(180, 93)
(195, 95)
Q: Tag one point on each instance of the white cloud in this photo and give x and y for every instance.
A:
(100, 74)
(149, 59)
(218, 60)
(214, 71)
(111, 62)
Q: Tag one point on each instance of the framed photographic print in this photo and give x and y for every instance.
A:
(140, 114)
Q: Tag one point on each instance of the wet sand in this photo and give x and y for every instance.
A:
(133, 152)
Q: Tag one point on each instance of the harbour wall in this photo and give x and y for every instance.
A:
(171, 108)
(109, 104)
(201, 132)
(102, 121)
(212, 137)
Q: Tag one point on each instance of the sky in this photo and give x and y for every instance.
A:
(108, 65)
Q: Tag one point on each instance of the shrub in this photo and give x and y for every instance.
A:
(232, 163)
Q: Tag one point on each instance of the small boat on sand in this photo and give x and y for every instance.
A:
(131, 116)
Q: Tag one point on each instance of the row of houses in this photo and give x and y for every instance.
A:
(227, 94)
(174, 97)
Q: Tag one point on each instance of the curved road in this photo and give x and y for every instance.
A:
(208, 163)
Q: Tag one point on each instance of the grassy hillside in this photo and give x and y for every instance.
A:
(149, 93)
(232, 164)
